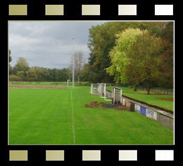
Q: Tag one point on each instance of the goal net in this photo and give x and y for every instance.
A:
(94, 88)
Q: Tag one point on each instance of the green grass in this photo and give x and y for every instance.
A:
(47, 83)
(45, 116)
(153, 98)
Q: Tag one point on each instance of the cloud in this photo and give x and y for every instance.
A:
(48, 43)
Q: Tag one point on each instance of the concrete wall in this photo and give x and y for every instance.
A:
(163, 118)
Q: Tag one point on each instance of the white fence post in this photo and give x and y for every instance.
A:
(114, 95)
(91, 91)
(121, 96)
(105, 95)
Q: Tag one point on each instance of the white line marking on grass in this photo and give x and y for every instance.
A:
(73, 129)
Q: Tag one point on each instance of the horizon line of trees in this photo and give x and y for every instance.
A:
(23, 72)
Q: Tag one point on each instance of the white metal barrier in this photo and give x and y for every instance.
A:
(95, 89)
(108, 95)
(115, 95)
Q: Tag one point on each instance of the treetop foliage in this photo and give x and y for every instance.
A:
(119, 54)
(115, 46)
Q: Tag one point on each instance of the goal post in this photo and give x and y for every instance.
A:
(108, 95)
(117, 95)
(68, 82)
(91, 89)
(101, 90)
(107, 92)
(94, 89)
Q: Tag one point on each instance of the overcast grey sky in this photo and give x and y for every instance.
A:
(48, 43)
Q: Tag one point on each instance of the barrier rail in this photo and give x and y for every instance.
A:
(164, 118)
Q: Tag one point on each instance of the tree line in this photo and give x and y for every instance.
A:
(138, 53)
(23, 72)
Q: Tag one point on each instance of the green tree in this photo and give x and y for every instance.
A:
(160, 29)
(14, 78)
(21, 65)
(39, 73)
(21, 74)
(119, 54)
(146, 60)
(166, 68)
(32, 75)
(10, 70)
(55, 73)
(10, 67)
(45, 74)
(138, 58)
(10, 58)
(65, 74)
(85, 72)
(101, 41)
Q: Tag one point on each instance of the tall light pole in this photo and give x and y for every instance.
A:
(73, 65)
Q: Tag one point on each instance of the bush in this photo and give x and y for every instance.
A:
(85, 83)
(130, 86)
(14, 78)
(82, 83)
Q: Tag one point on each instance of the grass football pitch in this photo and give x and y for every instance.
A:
(59, 117)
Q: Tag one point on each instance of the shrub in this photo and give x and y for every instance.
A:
(14, 78)
(130, 86)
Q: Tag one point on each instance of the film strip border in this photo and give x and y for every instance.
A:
(28, 155)
(90, 9)
(90, 155)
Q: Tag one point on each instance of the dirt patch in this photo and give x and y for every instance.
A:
(36, 87)
(94, 104)
(167, 99)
